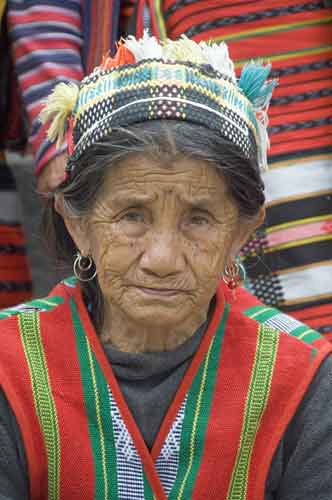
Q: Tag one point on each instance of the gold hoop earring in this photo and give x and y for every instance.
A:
(83, 265)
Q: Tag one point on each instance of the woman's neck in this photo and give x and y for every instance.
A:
(127, 335)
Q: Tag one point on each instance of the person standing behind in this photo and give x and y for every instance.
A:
(58, 41)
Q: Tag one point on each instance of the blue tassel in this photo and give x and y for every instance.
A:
(254, 85)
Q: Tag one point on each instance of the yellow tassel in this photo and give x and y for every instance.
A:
(58, 108)
(183, 49)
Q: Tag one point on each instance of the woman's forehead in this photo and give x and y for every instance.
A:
(143, 177)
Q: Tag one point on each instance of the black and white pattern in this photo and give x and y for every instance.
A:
(168, 461)
(129, 465)
(283, 322)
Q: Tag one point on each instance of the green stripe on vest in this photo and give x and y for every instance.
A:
(97, 403)
(196, 417)
(46, 304)
(264, 314)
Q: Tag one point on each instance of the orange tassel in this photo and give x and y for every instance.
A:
(123, 56)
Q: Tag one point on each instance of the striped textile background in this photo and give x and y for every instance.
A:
(46, 43)
(289, 262)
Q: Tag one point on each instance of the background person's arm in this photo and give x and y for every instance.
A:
(306, 453)
(46, 45)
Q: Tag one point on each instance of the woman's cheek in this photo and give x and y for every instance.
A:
(207, 256)
(115, 253)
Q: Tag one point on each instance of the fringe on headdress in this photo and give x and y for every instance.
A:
(253, 82)
(182, 50)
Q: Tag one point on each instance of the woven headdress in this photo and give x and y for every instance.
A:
(151, 80)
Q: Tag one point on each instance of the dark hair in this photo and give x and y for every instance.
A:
(164, 140)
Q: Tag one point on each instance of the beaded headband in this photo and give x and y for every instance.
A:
(151, 80)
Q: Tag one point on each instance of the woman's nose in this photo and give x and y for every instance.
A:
(163, 255)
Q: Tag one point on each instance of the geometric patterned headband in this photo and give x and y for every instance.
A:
(152, 80)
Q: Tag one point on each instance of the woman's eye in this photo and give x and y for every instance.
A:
(134, 216)
(199, 220)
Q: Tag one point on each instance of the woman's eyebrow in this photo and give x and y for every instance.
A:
(130, 199)
(133, 199)
(198, 201)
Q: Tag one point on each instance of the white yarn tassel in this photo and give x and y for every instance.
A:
(218, 57)
(147, 47)
(263, 139)
(183, 49)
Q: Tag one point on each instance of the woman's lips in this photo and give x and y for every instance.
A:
(159, 292)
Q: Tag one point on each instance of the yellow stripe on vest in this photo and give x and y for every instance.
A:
(43, 398)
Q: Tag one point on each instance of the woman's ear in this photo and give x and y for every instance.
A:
(76, 226)
(244, 230)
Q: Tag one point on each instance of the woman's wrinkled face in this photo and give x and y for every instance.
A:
(160, 237)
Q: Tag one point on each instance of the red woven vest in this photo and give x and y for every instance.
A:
(217, 439)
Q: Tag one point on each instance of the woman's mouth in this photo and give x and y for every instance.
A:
(159, 292)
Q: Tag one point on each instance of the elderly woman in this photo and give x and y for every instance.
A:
(152, 374)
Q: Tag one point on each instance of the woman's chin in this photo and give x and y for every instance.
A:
(158, 310)
(157, 315)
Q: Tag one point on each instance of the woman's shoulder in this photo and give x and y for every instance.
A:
(41, 325)
(247, 308)
(58, 295)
